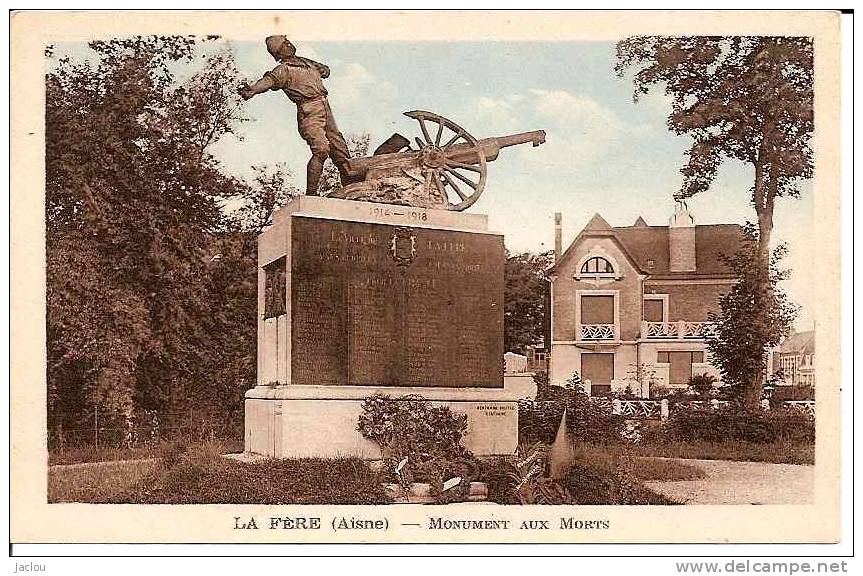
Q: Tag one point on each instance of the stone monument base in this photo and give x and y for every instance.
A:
(321, 421)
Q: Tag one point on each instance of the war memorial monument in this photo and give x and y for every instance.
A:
(387, 288)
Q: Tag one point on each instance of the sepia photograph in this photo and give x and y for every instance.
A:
(557, 277)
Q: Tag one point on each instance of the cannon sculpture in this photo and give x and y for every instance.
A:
(446, 170)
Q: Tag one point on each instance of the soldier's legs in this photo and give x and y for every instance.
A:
(314, 169)
(338, 147)
(311, 123)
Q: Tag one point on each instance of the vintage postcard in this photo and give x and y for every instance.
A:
(426, 277)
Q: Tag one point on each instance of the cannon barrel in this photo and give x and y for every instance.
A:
(492, 146)
(359, 168)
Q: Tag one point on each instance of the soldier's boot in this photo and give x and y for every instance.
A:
(344, 174)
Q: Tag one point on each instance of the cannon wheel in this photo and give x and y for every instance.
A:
(460, 181)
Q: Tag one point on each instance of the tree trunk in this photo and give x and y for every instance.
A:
(764, 195)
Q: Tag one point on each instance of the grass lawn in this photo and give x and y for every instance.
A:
(783, 452)
(79, 454)
(99, 482)
(200, 475)
(601, 474)
(616, 457)
(654, 469)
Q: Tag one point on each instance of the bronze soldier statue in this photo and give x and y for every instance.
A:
(300, 79)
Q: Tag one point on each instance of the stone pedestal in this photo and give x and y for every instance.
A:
(358, 298)
(321, 421)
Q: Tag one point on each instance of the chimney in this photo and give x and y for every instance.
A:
(681, 240)
(558, 236)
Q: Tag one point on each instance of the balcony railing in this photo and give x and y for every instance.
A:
(596, 332)
(680, 330)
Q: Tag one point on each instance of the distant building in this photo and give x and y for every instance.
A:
(514, 363)
(537, 358)
(629, 305)
(796, 359)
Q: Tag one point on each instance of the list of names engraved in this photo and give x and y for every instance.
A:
(317, 357)
(428, 313)
(429, 322)
(371, 331)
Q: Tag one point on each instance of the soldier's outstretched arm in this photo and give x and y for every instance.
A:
(259, 87)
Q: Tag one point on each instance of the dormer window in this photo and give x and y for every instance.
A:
(597, 265)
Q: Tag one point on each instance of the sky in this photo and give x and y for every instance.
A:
(604, 153)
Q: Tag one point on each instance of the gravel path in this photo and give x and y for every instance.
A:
(731, 482)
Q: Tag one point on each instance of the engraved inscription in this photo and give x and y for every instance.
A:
(316, 356)
(371, 332)
(430, 320)
(495, 410)
(401, 212)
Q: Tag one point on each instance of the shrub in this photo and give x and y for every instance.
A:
(792, 424)
(604, 475)
(718, 426)
(701, 385)
(660, 392)
(411, 425)
(783, 393)
(782, 452)
(524, 479)
(540, 378)
(496, 475)
(590, 480)
(729, 424)
(538, 420)
(627, 393)
(420, 442)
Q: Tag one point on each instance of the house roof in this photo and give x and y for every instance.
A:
(799, 343)
(646, 243)
(597, 222)
(647, 246)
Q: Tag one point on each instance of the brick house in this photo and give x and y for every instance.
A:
(630, 304)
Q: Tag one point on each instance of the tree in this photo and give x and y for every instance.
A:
(270, 189)
(753, 318)
(743, 98)
(524, 299)
(134, 309)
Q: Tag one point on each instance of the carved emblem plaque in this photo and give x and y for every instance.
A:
(403, 246)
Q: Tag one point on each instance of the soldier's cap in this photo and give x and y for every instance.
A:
(276, 43)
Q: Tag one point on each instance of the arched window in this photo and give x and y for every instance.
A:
(597, 265)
